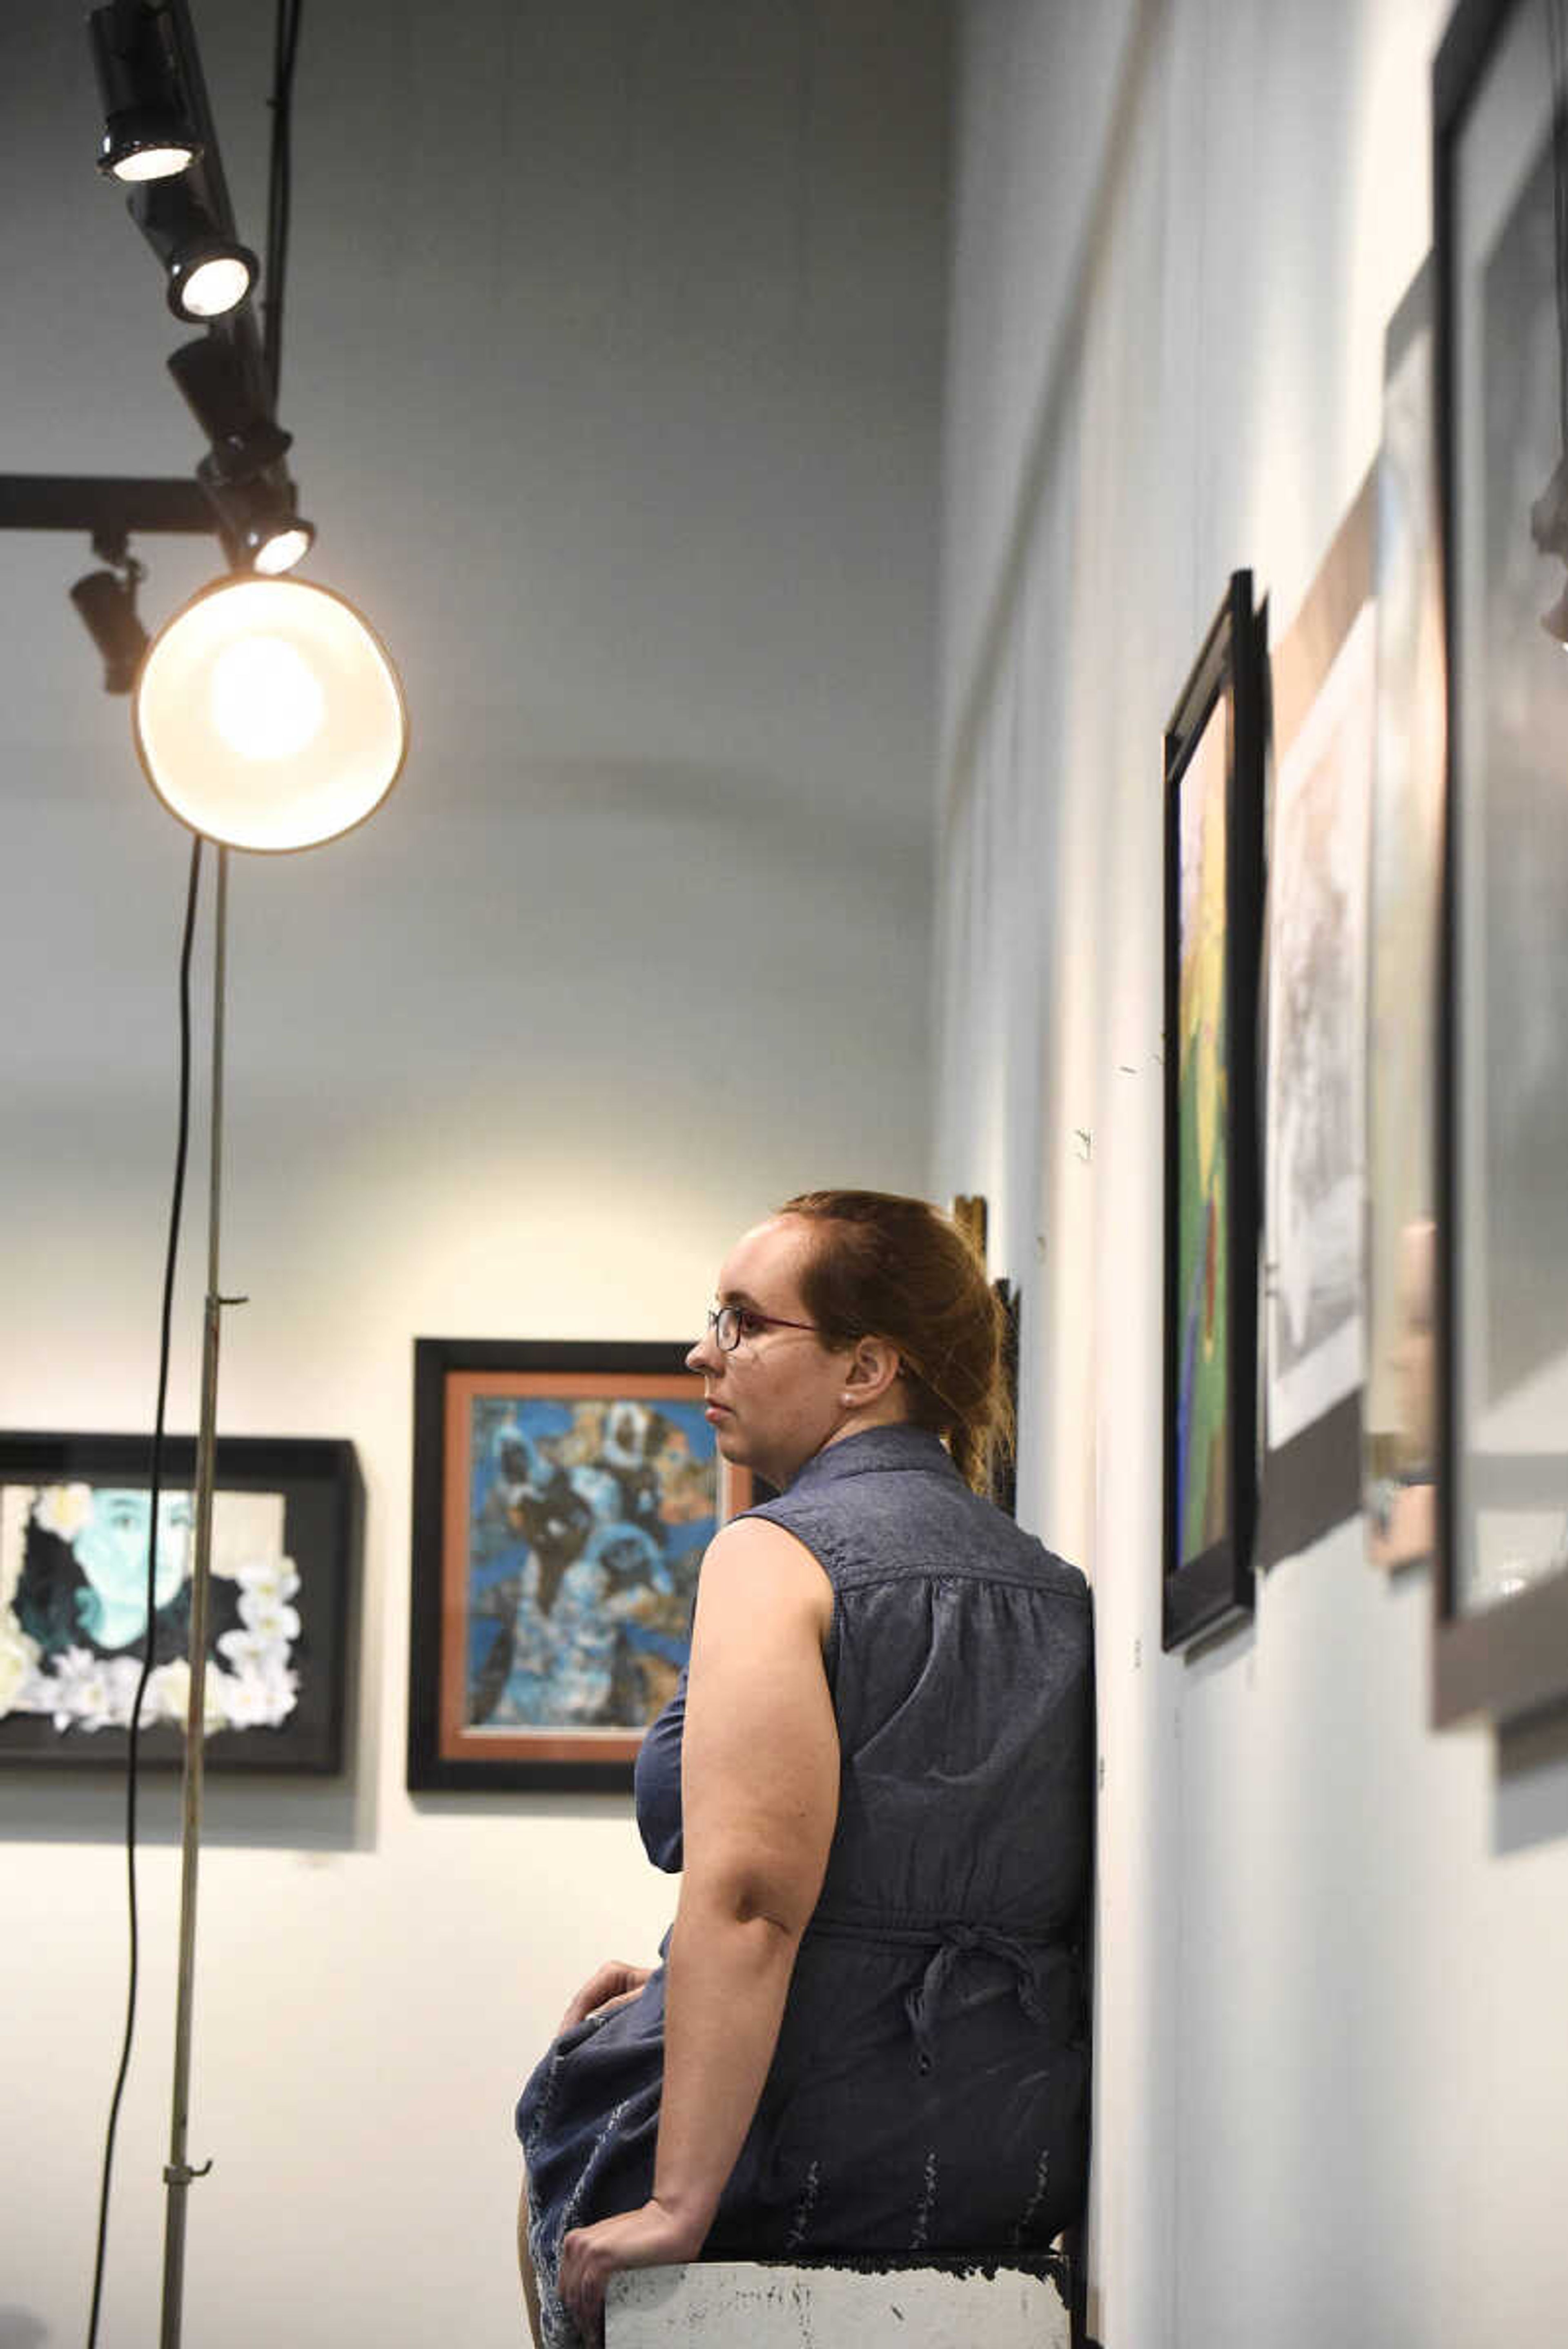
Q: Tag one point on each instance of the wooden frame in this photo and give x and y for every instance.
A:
(1212, 783)
(563, 1497)
(74, 1525)
(1322, 731)
(1500, 1589)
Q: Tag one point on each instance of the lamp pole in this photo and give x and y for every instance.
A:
(178, 2174)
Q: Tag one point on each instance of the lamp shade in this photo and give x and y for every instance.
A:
(268, 715)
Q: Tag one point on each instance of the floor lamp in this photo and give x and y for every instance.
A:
(267, 716)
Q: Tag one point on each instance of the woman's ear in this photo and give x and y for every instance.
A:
(873, 1368)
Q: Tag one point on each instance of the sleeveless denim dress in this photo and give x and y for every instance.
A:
(929, 2090)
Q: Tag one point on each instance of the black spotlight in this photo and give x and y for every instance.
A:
(208, 274)
(146, 130)
(228, 404)
(107, 602)
(260, 526)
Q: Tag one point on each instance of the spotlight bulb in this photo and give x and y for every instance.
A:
(268, 715)
(208, 273)
(210, 284)
(161, 157)
(271, 556)
(266, 701)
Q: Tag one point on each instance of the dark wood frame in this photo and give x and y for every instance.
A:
(442, 1756)
(323, 1526)
(1215, 1589)
(1510, 1660)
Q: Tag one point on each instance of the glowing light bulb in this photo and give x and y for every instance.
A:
(282, 550)
(268, 716)
(266, 703)
(213, 288)
(152, 163)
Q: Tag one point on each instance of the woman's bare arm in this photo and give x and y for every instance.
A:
(760, 1795)
(760, 1799)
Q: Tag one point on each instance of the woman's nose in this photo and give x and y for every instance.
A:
(703, 1355)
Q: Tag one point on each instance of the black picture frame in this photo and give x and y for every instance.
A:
(518, 1539)
(1214, 763)
(1499, 1639)
(287, 1525)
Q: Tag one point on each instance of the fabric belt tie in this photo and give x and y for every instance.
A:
(921, 2003)
(948, 1944)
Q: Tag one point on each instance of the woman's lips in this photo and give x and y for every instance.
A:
(713, 1410)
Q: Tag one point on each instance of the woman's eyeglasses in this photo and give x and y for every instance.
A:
(730, 1323)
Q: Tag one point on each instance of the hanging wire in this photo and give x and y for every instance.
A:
(165, 1328)
(280, 178)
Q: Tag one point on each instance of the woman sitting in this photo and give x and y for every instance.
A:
(869, 2031)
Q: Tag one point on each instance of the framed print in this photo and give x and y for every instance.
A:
(1213, 899)
(1399, 1418)
(563, 1495)
(1004, 1489)
(75, 1534)
(1501, 196)
(1315, 1333)
(970, 1214)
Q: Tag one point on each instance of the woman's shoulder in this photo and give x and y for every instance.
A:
(917, 1521)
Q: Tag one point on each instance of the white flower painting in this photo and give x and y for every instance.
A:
(74, 1615)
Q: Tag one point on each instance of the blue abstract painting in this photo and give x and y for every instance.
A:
(588, 1521)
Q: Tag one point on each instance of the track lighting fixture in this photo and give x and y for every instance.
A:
(146, 130)
(106, 602)
(257, 519)
(208, 274)
(244, 474)
(230, 406)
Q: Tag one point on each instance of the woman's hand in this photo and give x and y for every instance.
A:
(649, 2238)
(614, 1984)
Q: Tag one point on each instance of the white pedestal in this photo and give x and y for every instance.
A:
(739, 2306)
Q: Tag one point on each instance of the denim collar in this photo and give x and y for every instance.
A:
(898, 1446)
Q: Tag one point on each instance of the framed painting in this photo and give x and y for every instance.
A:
(1399, 1424)
(1004, 1463)
(970, 1214)
(1500, 200)
(76, 1534)
(563, 1495)
(1213, 899)
(1323, 705)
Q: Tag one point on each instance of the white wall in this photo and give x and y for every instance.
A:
(614, 359)
(1331, 2067)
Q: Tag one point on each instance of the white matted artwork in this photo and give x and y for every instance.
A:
(1316, 1152)
(1399, 1432)
(73, 1631)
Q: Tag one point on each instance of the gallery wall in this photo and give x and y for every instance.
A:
(614, 361)
(1331, 2072)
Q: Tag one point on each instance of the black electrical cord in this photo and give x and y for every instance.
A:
(280, 173)
(165, 1325)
